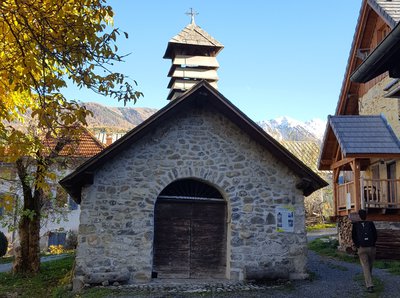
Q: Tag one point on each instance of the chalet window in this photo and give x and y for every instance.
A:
(375, 172)
(382, 32)
(57, 238)
(391, 176)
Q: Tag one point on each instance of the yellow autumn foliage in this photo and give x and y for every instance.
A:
(45, 44)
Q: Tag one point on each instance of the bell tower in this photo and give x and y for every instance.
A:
(193, 53)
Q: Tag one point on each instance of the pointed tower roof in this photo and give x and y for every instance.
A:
(192, 35)
(193, 55)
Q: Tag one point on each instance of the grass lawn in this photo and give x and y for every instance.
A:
(47, 283)
(320, 226)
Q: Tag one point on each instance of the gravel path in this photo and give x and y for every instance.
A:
(329, 278)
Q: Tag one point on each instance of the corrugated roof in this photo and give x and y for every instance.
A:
(364, 135)
(388, 10)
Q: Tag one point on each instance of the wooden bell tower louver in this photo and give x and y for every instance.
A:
(193, 53)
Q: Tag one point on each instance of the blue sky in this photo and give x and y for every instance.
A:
(281, 58)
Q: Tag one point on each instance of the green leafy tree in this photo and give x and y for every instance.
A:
(45, 44)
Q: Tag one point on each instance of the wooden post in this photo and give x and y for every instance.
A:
(357, 192)
(335, 192)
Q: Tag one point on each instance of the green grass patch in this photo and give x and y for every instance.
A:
(328, 247)
(391, 265)
(5, 260)
(52, 275)
(321, 226)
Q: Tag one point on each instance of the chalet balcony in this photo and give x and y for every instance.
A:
(378, 196)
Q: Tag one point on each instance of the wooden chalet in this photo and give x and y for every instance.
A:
(361, 144)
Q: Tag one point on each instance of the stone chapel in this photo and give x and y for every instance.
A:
(198, 190)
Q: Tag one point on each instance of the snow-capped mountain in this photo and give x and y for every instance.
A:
(109, 120)
(285, 128)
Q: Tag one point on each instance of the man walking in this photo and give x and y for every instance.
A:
(364, 237)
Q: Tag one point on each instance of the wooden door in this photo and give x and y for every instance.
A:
(189, 239)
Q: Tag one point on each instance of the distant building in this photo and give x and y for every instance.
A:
(67, 217)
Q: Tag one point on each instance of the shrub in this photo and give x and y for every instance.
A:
(56, 249)
(3, 244)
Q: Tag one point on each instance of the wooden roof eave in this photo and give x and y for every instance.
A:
(343, 97)
(348, 105)
(328, 149)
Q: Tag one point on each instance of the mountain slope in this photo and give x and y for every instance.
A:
(116, 119)
(287, 129)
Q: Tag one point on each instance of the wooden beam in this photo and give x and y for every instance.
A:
(336, 173)
(342, 162)
(196, 61)
(195, 73)
(357, 191)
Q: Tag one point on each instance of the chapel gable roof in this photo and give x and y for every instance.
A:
(364, 136)
(202, 95)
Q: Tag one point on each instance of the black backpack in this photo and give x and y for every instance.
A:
(365, 233)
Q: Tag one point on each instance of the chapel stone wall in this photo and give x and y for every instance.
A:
(117, 221)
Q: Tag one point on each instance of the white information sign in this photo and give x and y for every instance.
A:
(285, 218)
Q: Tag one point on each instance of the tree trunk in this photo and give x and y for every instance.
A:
(27, 258)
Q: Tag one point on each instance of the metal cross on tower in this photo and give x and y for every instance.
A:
(192, 13)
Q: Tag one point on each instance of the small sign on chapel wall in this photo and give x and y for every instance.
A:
(284, 218)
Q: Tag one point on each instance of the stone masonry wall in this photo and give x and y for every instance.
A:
(374, 103)
(116, 224)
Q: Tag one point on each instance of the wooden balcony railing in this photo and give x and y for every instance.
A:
(375, 193)
(380, 193)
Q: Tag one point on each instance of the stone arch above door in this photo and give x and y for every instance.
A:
(189, 231)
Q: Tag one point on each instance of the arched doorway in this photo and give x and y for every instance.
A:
(189, 231)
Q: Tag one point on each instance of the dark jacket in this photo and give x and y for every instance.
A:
(364, 234)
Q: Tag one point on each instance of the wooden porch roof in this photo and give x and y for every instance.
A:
(367, 136)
